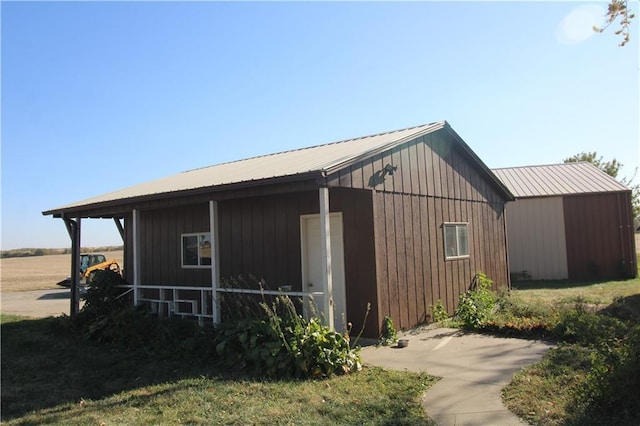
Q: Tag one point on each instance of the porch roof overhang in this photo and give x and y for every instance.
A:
(118, 207)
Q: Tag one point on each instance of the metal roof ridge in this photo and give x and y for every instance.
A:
(311, 147)
(542, 165)
(346, 160)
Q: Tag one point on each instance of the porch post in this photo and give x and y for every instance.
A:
(120, 228)
(136, 254)
(215, 271)
(73, 227)
(325, 238)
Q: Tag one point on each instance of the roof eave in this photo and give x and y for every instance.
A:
(75, 209)
(573, 194)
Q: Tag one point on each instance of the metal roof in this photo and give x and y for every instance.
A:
(315, 161)
(557, 179)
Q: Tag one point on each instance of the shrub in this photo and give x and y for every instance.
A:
(439, 312)
(269, 340)
(476, 305)
(107, 317)
(615, 372)
(587, 328)
(389, 335)
(281, 343)
(104, 295)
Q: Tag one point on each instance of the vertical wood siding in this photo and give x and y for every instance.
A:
(412, 273)
(536, 238)
(429, 165)
(434, 183)
(599, 236)
(160, 245)
(261, 236)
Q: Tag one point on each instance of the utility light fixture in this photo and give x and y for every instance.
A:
(389, 169)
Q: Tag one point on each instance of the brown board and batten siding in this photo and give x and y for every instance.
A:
(261, 236)
(602, 251)
(435, 182)
(160, 245)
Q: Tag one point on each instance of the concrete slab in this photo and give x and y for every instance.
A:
(37, 303)
(474, 369)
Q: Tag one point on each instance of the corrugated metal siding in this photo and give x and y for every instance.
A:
(536, 237)
(557, 179)
(599, 236)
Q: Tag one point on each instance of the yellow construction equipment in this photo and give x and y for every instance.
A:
(89, 263)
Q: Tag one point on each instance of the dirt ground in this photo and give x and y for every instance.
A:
(39, 272)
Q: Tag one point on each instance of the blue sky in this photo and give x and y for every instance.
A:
(101, 96)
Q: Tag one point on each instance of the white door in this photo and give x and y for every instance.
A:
(312, 264)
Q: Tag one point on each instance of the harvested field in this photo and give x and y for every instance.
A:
(39, 272)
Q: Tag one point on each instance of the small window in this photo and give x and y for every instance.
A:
(196, 250)
(456, 240)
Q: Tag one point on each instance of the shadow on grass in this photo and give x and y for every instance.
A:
(44, 367)
(50, 376)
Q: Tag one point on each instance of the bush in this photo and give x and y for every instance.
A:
(108, 317)
(477, 305)
(439, 312)
(269, 340)
(587, 328)
(104, 295)
(281, 343)
(389, 335)
(614, 379)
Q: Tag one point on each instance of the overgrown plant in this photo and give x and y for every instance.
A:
(104, 295)
(594, 367)
(439, 312)
(279, 342)
(107, 316)
(389, 335)
(477, 305)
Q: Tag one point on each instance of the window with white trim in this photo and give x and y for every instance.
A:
(196, 250)
(456, 240)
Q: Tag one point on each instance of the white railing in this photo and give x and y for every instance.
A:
(177, 300)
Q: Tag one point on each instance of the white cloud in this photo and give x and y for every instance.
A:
(577, 26)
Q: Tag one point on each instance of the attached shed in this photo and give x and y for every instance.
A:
(397, 220)
(569, 221)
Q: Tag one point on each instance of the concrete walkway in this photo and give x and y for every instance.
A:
(37, 303)
(474, 369)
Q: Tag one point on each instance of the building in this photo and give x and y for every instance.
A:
(397, 220)
(569, 221)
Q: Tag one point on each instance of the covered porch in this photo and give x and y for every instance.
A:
(183, 298)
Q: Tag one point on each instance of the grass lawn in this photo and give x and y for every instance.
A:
(594, 377)
(567, 293)
(49, 377)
